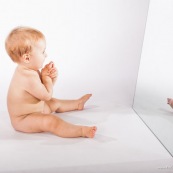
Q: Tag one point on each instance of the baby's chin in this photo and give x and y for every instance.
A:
(40, 67)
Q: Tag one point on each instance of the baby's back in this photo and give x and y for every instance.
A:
(19, 101)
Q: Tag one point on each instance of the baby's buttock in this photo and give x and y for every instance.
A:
(21, 112)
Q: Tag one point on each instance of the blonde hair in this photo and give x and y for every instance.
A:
(20, 41)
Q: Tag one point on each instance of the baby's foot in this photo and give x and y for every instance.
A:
(83, 100)
(170, 102)
(89, 132)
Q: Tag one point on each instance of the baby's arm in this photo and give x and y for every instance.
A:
(40, 85)
(47, 82)
(42, 90)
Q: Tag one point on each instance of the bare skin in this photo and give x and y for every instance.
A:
(170, 102)
(30, 101)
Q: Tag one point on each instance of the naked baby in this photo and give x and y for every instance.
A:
(30, 102)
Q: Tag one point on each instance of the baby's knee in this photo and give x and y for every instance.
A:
(53, 104)
(51, 123)
(46, 109)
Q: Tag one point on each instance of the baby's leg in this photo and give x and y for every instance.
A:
(57, 105)
(170, 102)
(38, 122)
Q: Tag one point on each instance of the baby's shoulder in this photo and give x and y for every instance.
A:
(27, 75)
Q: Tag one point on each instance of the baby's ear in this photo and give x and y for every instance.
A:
(26, 58)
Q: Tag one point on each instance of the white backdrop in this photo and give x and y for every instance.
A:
(95, 44)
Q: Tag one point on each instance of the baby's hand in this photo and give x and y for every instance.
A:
(53, 73)
(45, 75)
(46, 70)
(50, 71)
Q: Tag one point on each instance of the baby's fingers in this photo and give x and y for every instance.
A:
(53, 70)
(49, 66)
(53, 76)
(53, 73)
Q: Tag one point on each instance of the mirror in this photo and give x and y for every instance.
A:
(155, 81)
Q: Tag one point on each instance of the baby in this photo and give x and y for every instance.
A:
(170, 102)
(29, 99)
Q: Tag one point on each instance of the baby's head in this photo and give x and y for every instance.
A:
(21, 40)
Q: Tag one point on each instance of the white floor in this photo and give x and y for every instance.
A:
(123, 143)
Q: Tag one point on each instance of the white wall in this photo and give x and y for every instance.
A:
(155, 80)
(96, 44)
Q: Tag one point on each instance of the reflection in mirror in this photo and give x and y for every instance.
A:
(155, 79)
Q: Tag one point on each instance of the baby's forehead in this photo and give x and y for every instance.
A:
(41, 43)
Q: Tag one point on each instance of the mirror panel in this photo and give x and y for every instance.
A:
(155, 79)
